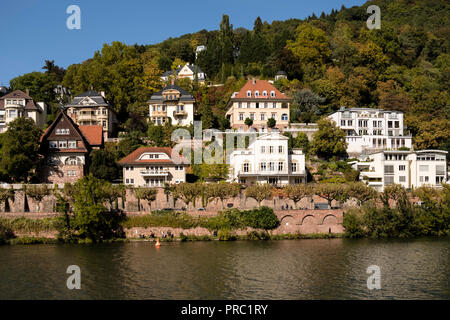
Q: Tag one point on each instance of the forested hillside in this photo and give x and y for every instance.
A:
(331, 61)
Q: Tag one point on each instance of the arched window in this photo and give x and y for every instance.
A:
(72, 161)
(256, 93)
(272, 93)
(284, 117)
(265, 93)
(249, 93)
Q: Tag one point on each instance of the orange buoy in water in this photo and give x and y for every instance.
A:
(157, 244)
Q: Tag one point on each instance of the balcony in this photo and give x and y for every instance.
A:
(87, 116)
(179, 112)
(269, 173)
(155, 173)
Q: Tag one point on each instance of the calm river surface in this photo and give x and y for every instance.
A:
(291, 269)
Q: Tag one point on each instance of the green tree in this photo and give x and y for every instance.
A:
(188, 192)
(296, 192)
(36, 192)
(271, 122)
(259, 192)
(6, 195)
(248, 122)
(361, 192)
(330, 192)
(90, 219)
(306, 106)
(103, 165)
(148, 194)
(329, 140)
(310, 45)
(19, 147)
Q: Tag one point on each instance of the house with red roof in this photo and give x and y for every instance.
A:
(18, 104)
(258, 100)
(65, 148)
(153, 167)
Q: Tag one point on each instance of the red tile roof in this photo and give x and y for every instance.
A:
(259, 85)
(133, 157)
(93, 134)
(17, 94)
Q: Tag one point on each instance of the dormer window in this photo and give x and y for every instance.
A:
(265, 93)
(249, 93)
(257, 93)
(272, 93)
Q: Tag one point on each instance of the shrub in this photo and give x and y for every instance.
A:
(353, 225)
(226, 235)
(262, 218)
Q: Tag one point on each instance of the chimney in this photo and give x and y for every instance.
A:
(254, 81)
(172, 81)
(27, 91)
(102, 93)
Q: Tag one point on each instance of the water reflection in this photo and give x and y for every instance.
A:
(295, 269)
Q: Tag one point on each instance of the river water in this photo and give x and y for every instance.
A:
(288, 269)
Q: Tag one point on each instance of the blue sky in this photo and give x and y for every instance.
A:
(35, 30)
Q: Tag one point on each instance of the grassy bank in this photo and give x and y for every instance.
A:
(26, 225)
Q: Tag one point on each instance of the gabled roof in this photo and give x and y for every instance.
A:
(192, 67)
(96, 98)
(75, 134)
(272, 136)
(177, 71)
(253, 85)
(19, 94)
(93, 134)
(16, 94)
(133, 158)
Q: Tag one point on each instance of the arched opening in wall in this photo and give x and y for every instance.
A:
(287, 223)
(309, 220)
(330, 220)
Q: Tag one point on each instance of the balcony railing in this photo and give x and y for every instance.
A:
(179, 112)
(269, 173)
(150, 172)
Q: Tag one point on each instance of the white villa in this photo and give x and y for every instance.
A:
(268, 160)
(18, 104)
(411, 169)
(172, 102)
(153, 167)
(186, 71)
(370, 130)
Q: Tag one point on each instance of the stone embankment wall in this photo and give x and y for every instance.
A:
(27, 204)
(304, 220)
(291, 222)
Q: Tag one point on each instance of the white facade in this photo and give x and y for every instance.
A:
(268, 160)
(371, 130)
(152, 168)
(174, 103)
(198, 50)
(186, 71)
(18, 105)
(409, 169)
